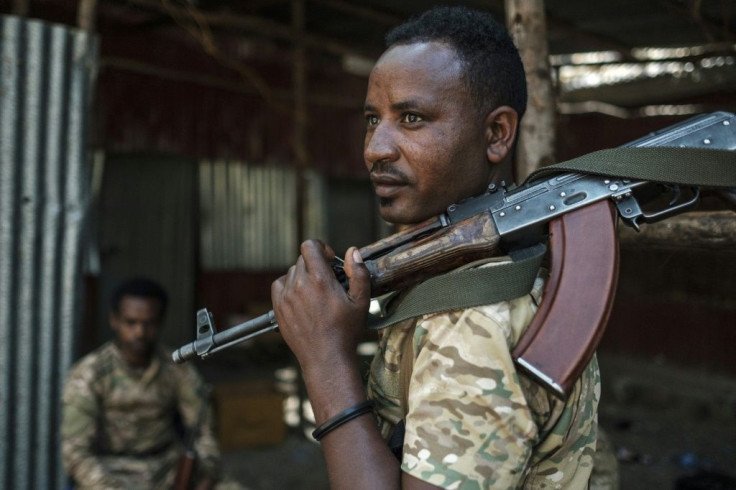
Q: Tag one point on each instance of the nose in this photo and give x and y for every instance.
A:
(139, 329)
(380, 145)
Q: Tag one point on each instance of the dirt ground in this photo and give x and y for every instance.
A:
(671, 428)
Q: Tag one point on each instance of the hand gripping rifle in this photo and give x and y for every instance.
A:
(575, 205)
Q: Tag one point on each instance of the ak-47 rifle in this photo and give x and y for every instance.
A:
(577, 211)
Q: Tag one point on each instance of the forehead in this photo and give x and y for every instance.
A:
(139, 306)
(426, 69)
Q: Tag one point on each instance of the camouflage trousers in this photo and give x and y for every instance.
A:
(605, 465)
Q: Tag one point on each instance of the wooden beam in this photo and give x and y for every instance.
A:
(713, 31)
(260, 26)
(299, 134)
(566, 28)
(20, 8)
(366, 13)
(86, 14)
(536, 141)
(180, 76)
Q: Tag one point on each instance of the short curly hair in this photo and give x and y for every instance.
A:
(493, 69)
(139, 287)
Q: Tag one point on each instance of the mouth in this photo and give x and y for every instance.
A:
(139, 345)
(386, 186)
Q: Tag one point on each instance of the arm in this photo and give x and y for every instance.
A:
(79, 424)
(468, 420)
(323, 323)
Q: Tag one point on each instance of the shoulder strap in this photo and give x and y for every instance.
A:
(467, 288)
(673, 165)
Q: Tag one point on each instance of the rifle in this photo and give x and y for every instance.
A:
(564, 208)
(187, 461)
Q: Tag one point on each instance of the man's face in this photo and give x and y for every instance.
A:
(136, 327)
(425, 142)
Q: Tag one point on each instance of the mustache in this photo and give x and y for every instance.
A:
(384, 167)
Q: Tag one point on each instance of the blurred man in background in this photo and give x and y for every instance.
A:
(125, 403)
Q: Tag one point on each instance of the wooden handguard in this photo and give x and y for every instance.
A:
(441, 251)
(577, 301)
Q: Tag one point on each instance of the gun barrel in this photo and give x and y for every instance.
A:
(204, 346)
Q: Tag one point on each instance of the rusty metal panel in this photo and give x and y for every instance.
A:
(248, 215)
(46, 75)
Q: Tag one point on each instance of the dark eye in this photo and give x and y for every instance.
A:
(411, 118)
(371, 119)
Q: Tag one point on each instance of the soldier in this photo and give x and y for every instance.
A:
(121, 403)
(442, 110)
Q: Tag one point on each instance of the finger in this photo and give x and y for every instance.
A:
(329, 253)
(277, 288)
(315, 257)
(359, 278)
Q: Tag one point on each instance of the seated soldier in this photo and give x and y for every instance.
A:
(124, 404)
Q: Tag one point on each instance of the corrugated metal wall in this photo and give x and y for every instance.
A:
(248, 215)
(147, 226)
(46, 74)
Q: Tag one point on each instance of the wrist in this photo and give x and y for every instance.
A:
(332, 371)
(342, 418)
(333, 387)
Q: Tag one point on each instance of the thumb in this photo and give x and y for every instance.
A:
(359, 278)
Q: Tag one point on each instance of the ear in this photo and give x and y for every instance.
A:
(501, 126)
(112, 319)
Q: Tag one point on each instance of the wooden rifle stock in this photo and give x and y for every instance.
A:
(441, 250)
(185, 470)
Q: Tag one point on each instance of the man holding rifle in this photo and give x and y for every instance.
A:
(442, 110)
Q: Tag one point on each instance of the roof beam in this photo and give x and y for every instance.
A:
(258, 25)
(362, 12)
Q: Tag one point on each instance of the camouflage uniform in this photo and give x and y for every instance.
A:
(118, 428)
(473, 421)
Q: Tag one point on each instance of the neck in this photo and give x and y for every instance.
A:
(503, 174)
(137, 362)
(133, 359)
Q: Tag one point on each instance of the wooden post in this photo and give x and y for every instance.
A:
(528, 27)
(21, 8)
(86, 14)
(299, 83)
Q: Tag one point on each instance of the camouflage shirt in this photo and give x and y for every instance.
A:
(473, 421)
(118, 428)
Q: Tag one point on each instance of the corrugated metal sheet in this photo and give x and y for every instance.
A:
(248, 215)
(46, 72)
(147, 226)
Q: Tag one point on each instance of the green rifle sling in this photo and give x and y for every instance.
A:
(700, 167)
(468, 288)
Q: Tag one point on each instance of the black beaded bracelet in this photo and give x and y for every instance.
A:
(345, 416)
